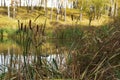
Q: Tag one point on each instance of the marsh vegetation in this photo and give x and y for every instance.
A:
(40, 43)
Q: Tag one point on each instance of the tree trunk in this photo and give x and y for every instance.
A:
(20, 3)
(58, 10)
(65, 12)
(46, 8)
(111, 9)
(40, 4)
(14, 9)
(116, 12)
(81, 13)
(32, 7)
(51, 9)
(27, 4)
(115, 9)
(8, 11)
(65, 15)
(1, 2)
(4, 3)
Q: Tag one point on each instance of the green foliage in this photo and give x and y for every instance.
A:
(68, 33)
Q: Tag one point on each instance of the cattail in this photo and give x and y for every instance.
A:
(37, 28)
(40, 28)
(21, 26)
(30, 24)
(43, 30)
(25, 28)
(44, 26)
(72, 17)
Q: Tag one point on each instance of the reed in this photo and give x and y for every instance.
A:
(1, 34)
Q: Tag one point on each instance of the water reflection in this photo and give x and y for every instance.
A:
(13, 58)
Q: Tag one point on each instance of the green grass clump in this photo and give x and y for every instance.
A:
(68, 33)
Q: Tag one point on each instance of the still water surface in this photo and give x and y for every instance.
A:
(12, 53)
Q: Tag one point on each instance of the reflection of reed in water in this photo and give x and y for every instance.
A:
(15, 67)
(1, 34)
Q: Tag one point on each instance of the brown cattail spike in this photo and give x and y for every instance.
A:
(21, 26)
(18, 24)
(30, 24)
(41, 28)
(25, 28)
(37, 28)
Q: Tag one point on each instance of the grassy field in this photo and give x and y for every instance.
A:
(24, 16)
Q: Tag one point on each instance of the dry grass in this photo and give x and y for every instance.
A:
(7, 22)
(24, 16)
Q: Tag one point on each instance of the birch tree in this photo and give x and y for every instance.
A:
(32, 7)
(1, 2)
(51, 10)
(8, 3)
(58, 9)
(20, 2)
(4, 3)
(14, 4)
(46, 10)
(65, 7)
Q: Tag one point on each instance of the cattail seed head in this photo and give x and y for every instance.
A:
(37, 28)
(30, 24)
(25, 28)
(21, 26)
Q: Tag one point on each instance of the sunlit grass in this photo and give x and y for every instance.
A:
(25, 16)
(5, 21)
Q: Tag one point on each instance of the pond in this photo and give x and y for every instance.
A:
(13, 53)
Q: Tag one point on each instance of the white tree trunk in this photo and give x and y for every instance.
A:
(32, 7)
(8, 11)
(1, 2)
(14, 9)
(20, 2)
(116, 11)
(44, 5)
(65, 10)
(81, 13)
(51, 9)
(46, 8)
(4, 3)
(58, 10)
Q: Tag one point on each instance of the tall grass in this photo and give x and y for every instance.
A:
(90, 56)
(67, 32)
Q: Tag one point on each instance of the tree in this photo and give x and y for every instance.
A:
(27, 4)
(113, 8)
(32, 7)
(46, 10)
(51, 10)
(8, 3)
(4, 3)
(80, 5)
(65, 4)
(65, 7)
(58, 9)
(20, 2)
(14, 3)
(40, 4)
(1, 2)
